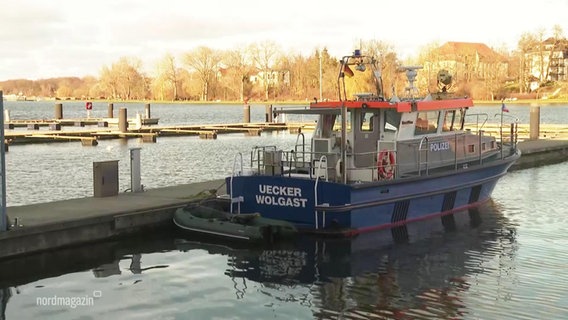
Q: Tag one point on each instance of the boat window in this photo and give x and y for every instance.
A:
(458, 120)
(327, 123)
(392, 120)
(426, 122)
(448, 120)
(367, 119)
(347, 123)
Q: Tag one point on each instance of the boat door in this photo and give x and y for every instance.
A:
(365, 136)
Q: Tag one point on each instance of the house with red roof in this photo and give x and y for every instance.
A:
(469, 61)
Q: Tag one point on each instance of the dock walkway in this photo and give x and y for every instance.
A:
(77, 221)
(67, 222)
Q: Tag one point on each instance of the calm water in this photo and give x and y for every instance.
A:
(506, 260)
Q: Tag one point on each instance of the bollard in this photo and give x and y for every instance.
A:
(6, 115)
(246, 113)
(58, 111)
(135, 185)
(122, 120)
(147, 110)
(534, 122)
(138, 121)
(268, 113)
(110, 111)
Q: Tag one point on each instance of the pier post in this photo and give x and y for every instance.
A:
(534, 122)
(147, 110)
(268, 113)
(135, 181)
(246, 113)
(122, 120)
(110, 112)
(58, 111)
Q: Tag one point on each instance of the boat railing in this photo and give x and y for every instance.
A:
(299, 155)
(257, 156)
(238, 157)
(463, 151)
(477, 116)
(513, 133)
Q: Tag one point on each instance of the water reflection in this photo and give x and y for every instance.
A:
(412, 271)
(5, 294)
(422, 270)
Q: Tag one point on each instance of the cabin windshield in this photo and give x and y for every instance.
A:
(453, 120)
(392, 120)
(327, 121)
(426, 122)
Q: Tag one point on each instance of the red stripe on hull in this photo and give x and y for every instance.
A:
(354, 232)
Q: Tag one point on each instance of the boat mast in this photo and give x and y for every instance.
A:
(343, 97)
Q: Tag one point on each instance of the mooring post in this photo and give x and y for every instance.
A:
(122, 120)
(147, 110)
(58, 111)
(534, 122)
(268, 113)
(246, 112)
(135, 181)
(110, 111)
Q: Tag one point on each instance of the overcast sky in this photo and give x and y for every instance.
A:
(44, 39)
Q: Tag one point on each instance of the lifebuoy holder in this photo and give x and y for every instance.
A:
(386, 164)
(88, 105)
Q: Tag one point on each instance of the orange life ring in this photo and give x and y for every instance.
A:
(386, 164)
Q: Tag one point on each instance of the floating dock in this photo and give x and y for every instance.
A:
(90, 136)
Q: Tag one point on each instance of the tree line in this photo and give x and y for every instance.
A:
(264, 72)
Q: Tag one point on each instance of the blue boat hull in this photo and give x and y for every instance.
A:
(356, 208)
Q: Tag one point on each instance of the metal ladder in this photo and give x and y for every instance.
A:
(323, 159)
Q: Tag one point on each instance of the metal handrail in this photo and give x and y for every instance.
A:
(425, 138)
(231, 180)
(477, 119)
(322, 159)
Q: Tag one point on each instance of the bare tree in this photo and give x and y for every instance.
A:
(166, 82)
(264, 56)
(237, 71)
(205, 62)
(124, 79)
(387, 61)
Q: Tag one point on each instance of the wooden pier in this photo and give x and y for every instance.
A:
(89, 136)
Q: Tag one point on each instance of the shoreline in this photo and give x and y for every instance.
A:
(540, 102)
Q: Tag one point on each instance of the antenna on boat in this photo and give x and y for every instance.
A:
(411, 77)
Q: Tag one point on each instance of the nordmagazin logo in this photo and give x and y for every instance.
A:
(69, 301)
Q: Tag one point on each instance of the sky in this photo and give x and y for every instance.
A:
(45, 39)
